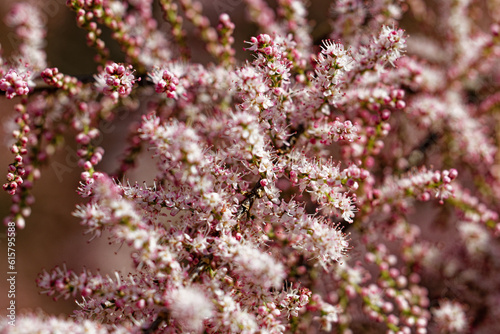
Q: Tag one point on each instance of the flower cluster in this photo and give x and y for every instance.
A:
(115, 81)
(450, 317)
(166, 82)
(15, 83)
(349, 184)
(30, 34)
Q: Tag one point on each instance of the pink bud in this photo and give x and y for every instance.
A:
(385, 114)
(425, 196)
(141, 303)
(14, 149)
(453, 173)
(262, 310)
(82, 138)
(86, 292)
(495, 29)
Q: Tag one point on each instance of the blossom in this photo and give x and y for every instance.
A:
(333, 63)
(475, 237)
(393, 41)
(450, 316)
(255, 266)
(15, 83)
(190, 307)
(29, 23)
(165, 82)
(39, 323)
(115, 81)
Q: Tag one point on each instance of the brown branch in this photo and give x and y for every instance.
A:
(162, 316)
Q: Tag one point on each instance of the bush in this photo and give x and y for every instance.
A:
(348, 185)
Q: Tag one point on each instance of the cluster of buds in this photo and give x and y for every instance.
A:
(165, 82)
(54, 78)
(17, 169)
(115, 81)
(15, 83)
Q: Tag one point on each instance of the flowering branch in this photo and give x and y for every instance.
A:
(290, 192)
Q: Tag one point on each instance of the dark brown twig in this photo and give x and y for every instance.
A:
(162, 316)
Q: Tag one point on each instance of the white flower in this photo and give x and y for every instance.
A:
(213, 199)
(190, 307)
(118, 8)
(393, 42)
(450, 316)
(258, 267)
(475, 237)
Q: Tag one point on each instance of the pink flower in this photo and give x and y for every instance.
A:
(450, 317)
(15, 82)
(165, 82)
(190, 307)
(115, 81)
